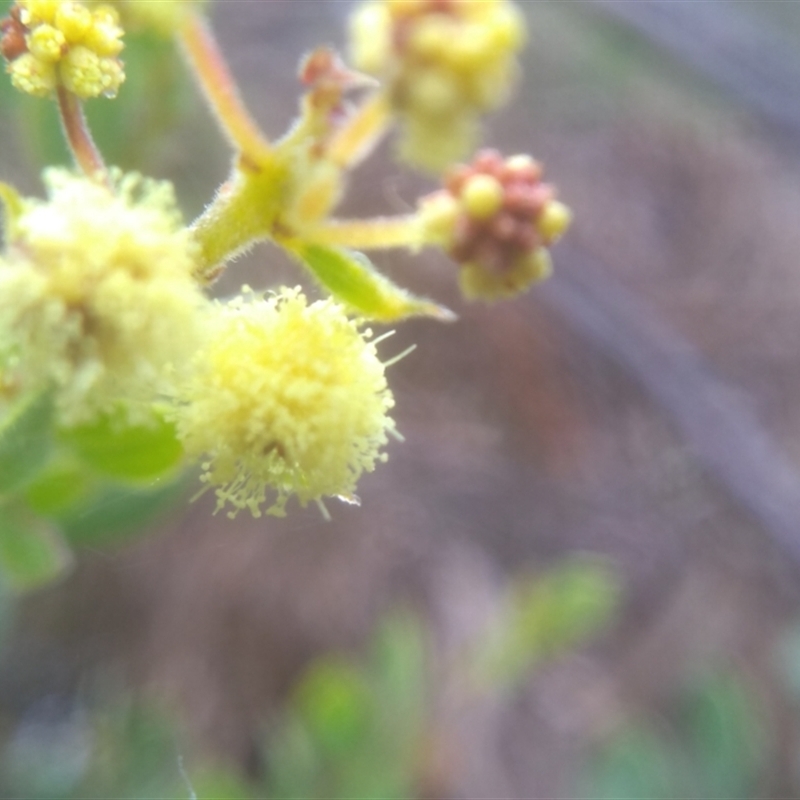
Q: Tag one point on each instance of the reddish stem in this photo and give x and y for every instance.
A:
(215, 79)
(78, 136)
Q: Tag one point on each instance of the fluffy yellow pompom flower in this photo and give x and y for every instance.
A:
(96, 294)
(287, 395)
(51, 42)
(444, 63)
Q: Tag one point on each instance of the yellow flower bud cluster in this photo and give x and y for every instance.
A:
(287, 395)
(496, 218)
(96, 295)
(63, 42)
(444, 63)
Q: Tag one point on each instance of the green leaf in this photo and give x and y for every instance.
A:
(335, 702)
(636, 765)
(126, 452)
(25, 441)
(374, 773)
(7, 606)
(399, 658)
(13, 205)
(32, 553)
(217, 783)
(352, 279)
(567, 604)
(549, 614)
(724, 737)
(62, 485)
(293, 763)
(116, 513)
(788, 660)
(135, 753)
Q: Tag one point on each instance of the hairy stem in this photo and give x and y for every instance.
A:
(377, 233)
(78, 136)
(360, 134)
(244, 211)
(219, 87)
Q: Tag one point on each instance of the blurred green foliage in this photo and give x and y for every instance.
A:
(25, 442)
(546, 616)
(32, 554)
(137, 452)
(92, 485)
(711, 746)
(352, 727)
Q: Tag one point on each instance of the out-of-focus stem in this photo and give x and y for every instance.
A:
(214, 76)
(377, 233)
(78, 136)
(359, 135)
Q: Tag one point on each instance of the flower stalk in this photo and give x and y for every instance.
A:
(243, 212)
(79, 138)
(362, 132)
(375, 233)
(214, 77)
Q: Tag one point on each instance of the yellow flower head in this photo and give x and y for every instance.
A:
(287, 395)
(96, 294)
(444, 62)
(62, 42)
(496, 218)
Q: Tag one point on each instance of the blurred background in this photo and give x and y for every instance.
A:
(579, 576)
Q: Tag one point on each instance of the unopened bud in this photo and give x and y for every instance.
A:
(482, 196)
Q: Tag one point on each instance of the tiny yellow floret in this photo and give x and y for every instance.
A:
(36, 11)
(96, 295)
(32, 75)
(46, 43)
(288, 395)
(88, 75)
(74, 21)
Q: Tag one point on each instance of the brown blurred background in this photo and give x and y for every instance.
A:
(642, 407)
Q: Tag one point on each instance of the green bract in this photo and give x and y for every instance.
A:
(25, 441)
(353, 280)
(32, 553)
(116, 449)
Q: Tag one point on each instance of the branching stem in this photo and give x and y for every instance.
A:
(360, 134)
(376, 233)
(244, 211)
